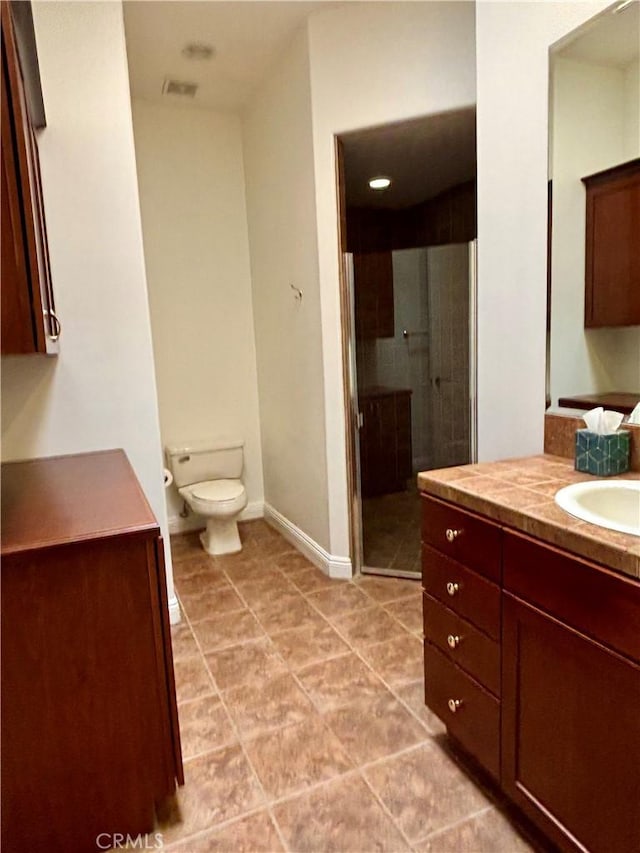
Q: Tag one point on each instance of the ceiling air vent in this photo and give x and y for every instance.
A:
(179, 87)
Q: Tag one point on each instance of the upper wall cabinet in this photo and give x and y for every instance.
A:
(612, 271)
(29, 321)
(373, 293)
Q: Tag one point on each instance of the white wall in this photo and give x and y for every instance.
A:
(513, 40)
(372, 63)
(192, 198)
(282, 228)
(100, 391)
(591, 132)
(632, 110)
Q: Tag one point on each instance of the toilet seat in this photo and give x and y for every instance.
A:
(218, 490)
(216, 497)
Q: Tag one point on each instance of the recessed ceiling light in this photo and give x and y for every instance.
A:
(198, 50)
(622, 6)
(380, 183)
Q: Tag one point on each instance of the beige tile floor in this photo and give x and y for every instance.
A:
(302, 717)
(391, 530)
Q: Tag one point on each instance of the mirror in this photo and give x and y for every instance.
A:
(594, 125)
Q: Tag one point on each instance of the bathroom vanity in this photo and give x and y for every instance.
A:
(90, 739)
(532, 646)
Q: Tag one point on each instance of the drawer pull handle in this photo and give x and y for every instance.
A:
(453, 640)
(453, 588)
(452, 534)
(454, 705)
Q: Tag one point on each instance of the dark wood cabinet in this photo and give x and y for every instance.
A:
(29, 321)
(612, 261)
(90, 739)
(449, 217)
(532, 659)
(571, 693)
(373, 294)
(461, 562)
(616, 401)
(385, 441)
(571, 732)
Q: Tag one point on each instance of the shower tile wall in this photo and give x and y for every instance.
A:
(448, 277)
(400, 362)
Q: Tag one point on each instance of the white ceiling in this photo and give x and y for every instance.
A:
(423, 157)
(248, 37)
(609, 39)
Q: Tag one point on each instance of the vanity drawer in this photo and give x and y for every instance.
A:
(462, 536)
(603, 604)
(472, 715)
(462, 643)
(462, 590)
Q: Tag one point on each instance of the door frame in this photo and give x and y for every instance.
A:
(349, 374)
(349, 371)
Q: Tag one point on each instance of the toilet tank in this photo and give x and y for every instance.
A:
(197, 461)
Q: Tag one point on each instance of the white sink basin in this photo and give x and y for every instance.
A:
(614, 504)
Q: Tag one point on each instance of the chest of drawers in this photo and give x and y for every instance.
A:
(461, 570)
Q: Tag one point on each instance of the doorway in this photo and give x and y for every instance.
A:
(409, 314)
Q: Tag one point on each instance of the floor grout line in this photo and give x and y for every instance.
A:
(431, 835)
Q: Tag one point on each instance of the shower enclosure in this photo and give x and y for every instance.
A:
(413, 392)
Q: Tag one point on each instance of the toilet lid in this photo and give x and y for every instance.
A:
(218, 490)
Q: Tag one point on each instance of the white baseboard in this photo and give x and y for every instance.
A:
(177, 524)
(331, 565)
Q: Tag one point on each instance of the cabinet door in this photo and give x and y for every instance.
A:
(612, 270)
(570, 732)
(369, 441)
(373, 286)
(29, 323)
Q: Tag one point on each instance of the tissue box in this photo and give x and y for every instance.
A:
(602, 455)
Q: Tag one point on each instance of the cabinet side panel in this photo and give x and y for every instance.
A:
(28, 176)
(80, 716)
(18, 335)
(166, 678)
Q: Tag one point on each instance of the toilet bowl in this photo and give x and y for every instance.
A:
(220, 502)
(207, 475)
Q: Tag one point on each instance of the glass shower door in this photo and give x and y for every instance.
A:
(429, 361)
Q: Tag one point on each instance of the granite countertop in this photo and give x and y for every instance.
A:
(519, 493)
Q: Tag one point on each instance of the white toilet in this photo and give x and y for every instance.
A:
(207, 474)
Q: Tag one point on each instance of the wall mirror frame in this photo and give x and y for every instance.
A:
(594, 147)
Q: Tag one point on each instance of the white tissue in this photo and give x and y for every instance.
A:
(601, 422)
(168, 478)
(634, 417)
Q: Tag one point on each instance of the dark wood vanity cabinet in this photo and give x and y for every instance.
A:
(571, 697)
(29, 321)
(612, 260)
(532, 661)
(373, 295)
(385, 440)
(89, 727)
(462, 625)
